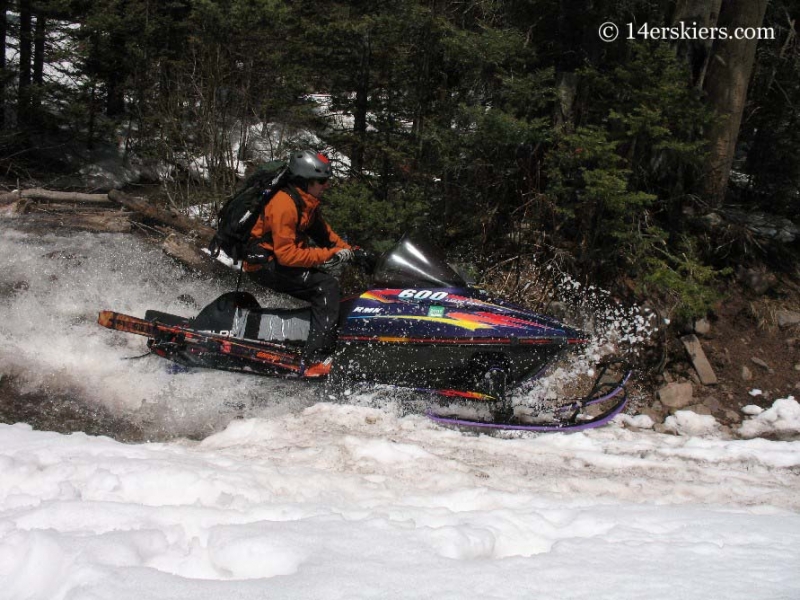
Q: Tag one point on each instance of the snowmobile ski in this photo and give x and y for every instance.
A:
(564, 418)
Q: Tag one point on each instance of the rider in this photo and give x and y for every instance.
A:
(282, 259)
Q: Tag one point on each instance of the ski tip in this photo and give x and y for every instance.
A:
(106, 319)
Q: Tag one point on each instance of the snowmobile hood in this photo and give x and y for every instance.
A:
(418, 295)
(452, 314)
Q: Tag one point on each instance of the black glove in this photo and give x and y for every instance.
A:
(344, 255)
(365, 259)
(340, 258)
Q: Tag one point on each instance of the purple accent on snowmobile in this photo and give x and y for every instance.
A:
(599, 421)
(580, 403)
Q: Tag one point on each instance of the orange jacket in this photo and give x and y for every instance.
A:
(289, 243)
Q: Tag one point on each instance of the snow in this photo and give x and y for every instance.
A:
(282, 495)
(783, 416)
(686, 422)
(342, 501)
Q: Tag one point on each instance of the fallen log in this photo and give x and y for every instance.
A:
(100, 222)
(175, 220)
(27, 207)
(42, 195)
(185, 237)
(184, 251)
(187, 252)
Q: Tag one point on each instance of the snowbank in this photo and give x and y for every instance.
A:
(782, 418)
(344, 501)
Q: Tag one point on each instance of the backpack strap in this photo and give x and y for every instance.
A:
(294, 194)
(258, 255)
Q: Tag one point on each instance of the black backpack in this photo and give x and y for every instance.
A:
(239, 214)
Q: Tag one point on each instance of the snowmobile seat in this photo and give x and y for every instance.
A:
(238, 314)
(276, 325)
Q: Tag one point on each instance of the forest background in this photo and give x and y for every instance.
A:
(510, 130)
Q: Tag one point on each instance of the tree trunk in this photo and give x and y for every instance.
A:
(38, 60)
(361, 107)
(25, 41)
(115, 78)
(3, 26)
(726, 85)
(702, 13)
(571, 38)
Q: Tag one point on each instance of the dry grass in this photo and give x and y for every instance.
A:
(764, 311)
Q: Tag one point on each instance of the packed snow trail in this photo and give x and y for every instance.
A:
(353, 502)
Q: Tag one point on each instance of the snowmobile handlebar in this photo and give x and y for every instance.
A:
(364, 259)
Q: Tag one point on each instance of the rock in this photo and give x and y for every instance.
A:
(704, 370)
(797, 367)
(675, 395)
(712, 220)
(702, 326)
(747, 374)
(655, 415)
(757, 280)
(764, 225)
(661, 428)
(760, 363)
(699, 409)
(787, 318)
(732, 416)
(188, 299)
(712, 403)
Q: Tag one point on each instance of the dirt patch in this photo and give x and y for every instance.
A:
(748, 352)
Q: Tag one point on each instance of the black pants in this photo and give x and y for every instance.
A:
(311, 285)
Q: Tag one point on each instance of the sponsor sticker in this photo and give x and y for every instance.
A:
(436, 311)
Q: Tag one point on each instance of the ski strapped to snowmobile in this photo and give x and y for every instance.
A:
(420, 327)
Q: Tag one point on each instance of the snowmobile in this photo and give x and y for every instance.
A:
(419, 326)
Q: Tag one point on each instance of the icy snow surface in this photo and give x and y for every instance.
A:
(308, 499)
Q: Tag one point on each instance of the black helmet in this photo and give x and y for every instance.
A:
(310, 165)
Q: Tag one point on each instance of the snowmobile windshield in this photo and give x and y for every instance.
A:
(415, 262)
